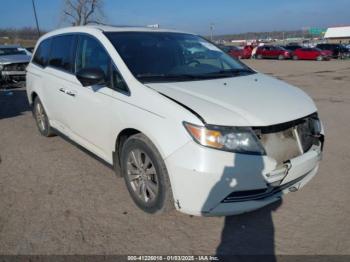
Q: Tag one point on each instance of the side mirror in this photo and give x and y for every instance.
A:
(91, 76)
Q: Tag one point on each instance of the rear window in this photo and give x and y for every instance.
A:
(41, 56)
(61, 55)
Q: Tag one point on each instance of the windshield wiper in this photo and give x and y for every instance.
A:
(181, 77)
(224, 73)
(231, 72)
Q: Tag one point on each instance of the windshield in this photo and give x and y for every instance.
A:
(165, 56)
(11, 51)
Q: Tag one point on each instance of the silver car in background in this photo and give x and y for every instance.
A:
(13, 62)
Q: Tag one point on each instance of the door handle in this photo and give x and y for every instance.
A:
(70, 93)
(67, 92)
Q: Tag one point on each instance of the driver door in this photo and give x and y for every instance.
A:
(91, 118)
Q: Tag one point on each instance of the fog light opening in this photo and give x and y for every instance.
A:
(293, 189)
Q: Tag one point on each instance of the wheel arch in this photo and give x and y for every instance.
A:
(119, 142)
(33, 95)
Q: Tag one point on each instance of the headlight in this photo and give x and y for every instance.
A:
(232, 139)
(315, 126)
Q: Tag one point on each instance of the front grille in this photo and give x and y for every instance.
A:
(15, 67)
(288, 140)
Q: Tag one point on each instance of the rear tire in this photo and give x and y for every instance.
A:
(42, 121)
(146, 176)
(295, 57)
(319, 58)
(280, 57)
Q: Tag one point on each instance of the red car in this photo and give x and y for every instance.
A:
(247, 51)
(312, 54)
(269, 51)
(233, 51)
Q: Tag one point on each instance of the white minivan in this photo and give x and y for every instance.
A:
(186, 125)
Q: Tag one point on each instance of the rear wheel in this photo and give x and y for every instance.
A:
(41, 118)
(319, 58)
(295, 57)
(259, 56)
(145, 175)
(280, 57)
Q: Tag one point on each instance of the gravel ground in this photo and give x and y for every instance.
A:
(57, 199)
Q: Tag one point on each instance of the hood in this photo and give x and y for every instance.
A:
(9, 59)
(254, 100)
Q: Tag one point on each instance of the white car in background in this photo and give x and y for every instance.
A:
(202, 133)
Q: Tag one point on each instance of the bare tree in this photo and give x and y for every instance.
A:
(83, 12)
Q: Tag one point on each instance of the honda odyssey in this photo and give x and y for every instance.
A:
(183, 123)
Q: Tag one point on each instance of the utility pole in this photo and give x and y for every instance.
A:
(211, 31)
(36, 18)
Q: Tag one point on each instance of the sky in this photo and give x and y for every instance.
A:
(228, 16)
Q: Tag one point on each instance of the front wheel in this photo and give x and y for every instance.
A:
(319, 58)
(280, 57)
(145, 175)
(41, 119)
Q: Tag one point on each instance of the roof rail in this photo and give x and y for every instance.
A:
(113, 25)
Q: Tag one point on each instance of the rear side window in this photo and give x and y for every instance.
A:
(62, 50)
(41, 56)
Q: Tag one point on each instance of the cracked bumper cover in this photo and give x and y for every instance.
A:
(202, 178)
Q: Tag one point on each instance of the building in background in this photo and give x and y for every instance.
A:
(338, 34)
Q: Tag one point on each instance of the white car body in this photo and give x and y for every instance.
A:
(201, 178)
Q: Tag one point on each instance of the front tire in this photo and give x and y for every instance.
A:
(280, 57)
(42, 121)
(145, 175)
(319, 58)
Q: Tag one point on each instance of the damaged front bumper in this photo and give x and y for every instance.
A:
(12, 73)
(210, 182)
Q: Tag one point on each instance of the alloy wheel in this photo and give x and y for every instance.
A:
(142, 176)
(40, 116)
